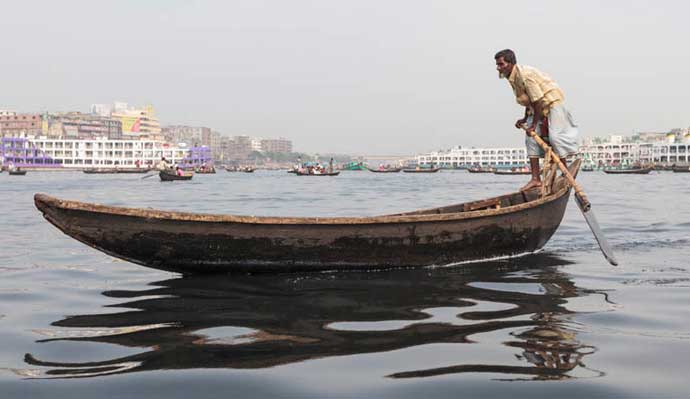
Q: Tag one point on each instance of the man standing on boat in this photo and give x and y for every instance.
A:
(545, 111)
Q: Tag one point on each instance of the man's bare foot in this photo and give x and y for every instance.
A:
(531, 184)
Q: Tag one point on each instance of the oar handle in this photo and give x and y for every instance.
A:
(579, 194)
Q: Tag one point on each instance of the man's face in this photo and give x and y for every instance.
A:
(504, 68)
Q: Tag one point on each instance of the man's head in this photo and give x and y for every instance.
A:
(505, 61)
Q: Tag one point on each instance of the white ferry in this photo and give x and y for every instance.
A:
(42, 152)
(458, 157)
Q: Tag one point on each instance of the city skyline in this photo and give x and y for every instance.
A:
(352, 77)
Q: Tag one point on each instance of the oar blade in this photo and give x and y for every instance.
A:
(598, 234)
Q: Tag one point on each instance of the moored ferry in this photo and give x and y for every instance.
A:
(50, 153)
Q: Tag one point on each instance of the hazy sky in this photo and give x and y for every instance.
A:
(350, 76)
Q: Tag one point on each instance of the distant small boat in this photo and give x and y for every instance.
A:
(512, 172)
(354, 166)
(389, 170)
(17, 172)
(420, 170)
(480, 170)
(168, 176)
(298, 173)
(681, 169)
(630, 171)
(245, 169)
(587, 169)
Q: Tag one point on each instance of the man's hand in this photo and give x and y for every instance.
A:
(520, 122)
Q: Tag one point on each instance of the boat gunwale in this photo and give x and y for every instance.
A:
(54, 202)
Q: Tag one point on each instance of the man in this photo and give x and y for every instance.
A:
(162, 164)
(545, 111)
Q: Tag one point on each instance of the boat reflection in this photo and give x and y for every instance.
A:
(258, 321)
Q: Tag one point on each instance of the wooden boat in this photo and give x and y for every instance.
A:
(171, 176)
(354, 166)
(510, 224)
(389, 170)
(681, 169)
(17, 172)
(422, 170)
(298, 173)
(480, 170)
(587, 169)
(207, 171)
(631, 171)
(512, 172)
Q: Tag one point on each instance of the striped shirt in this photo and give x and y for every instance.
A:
(531, 85)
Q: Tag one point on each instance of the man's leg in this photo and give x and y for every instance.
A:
(535, 181)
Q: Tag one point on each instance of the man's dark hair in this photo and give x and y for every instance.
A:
(508, 56)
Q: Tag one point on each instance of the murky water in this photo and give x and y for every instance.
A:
(76, 322)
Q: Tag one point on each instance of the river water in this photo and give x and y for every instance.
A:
(75, 322)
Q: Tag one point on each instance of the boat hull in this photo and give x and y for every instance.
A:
(317, 174)
(421, 170)
(165, 176)
(193, 243)
(393, 170)
(511, 172)
(627, 171)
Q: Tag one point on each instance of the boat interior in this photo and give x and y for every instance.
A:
(551, 185)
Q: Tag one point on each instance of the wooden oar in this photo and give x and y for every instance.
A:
(147, 176)
(580, 197)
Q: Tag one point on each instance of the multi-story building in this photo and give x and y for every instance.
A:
(82, 126)
(280, 145)
(660, 148)
(17, 125)
(458, 157)
(214, 144)
(137, 123)
(190, 135)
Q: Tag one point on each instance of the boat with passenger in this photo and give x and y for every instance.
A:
(385, 169)
(507, 225)
(480, 169)
(628, 171)
(421, 170)
(513, 171)
(172, 175)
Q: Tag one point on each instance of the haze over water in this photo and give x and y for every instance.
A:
(75, 322)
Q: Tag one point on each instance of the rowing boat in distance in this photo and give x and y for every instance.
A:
(630, 171)
(512, 172)
(422, 170)
(479, 169)
(387, 170)
(172, 176)
(511, 224)
(17, 172)
(681, 169)
(298, 173)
